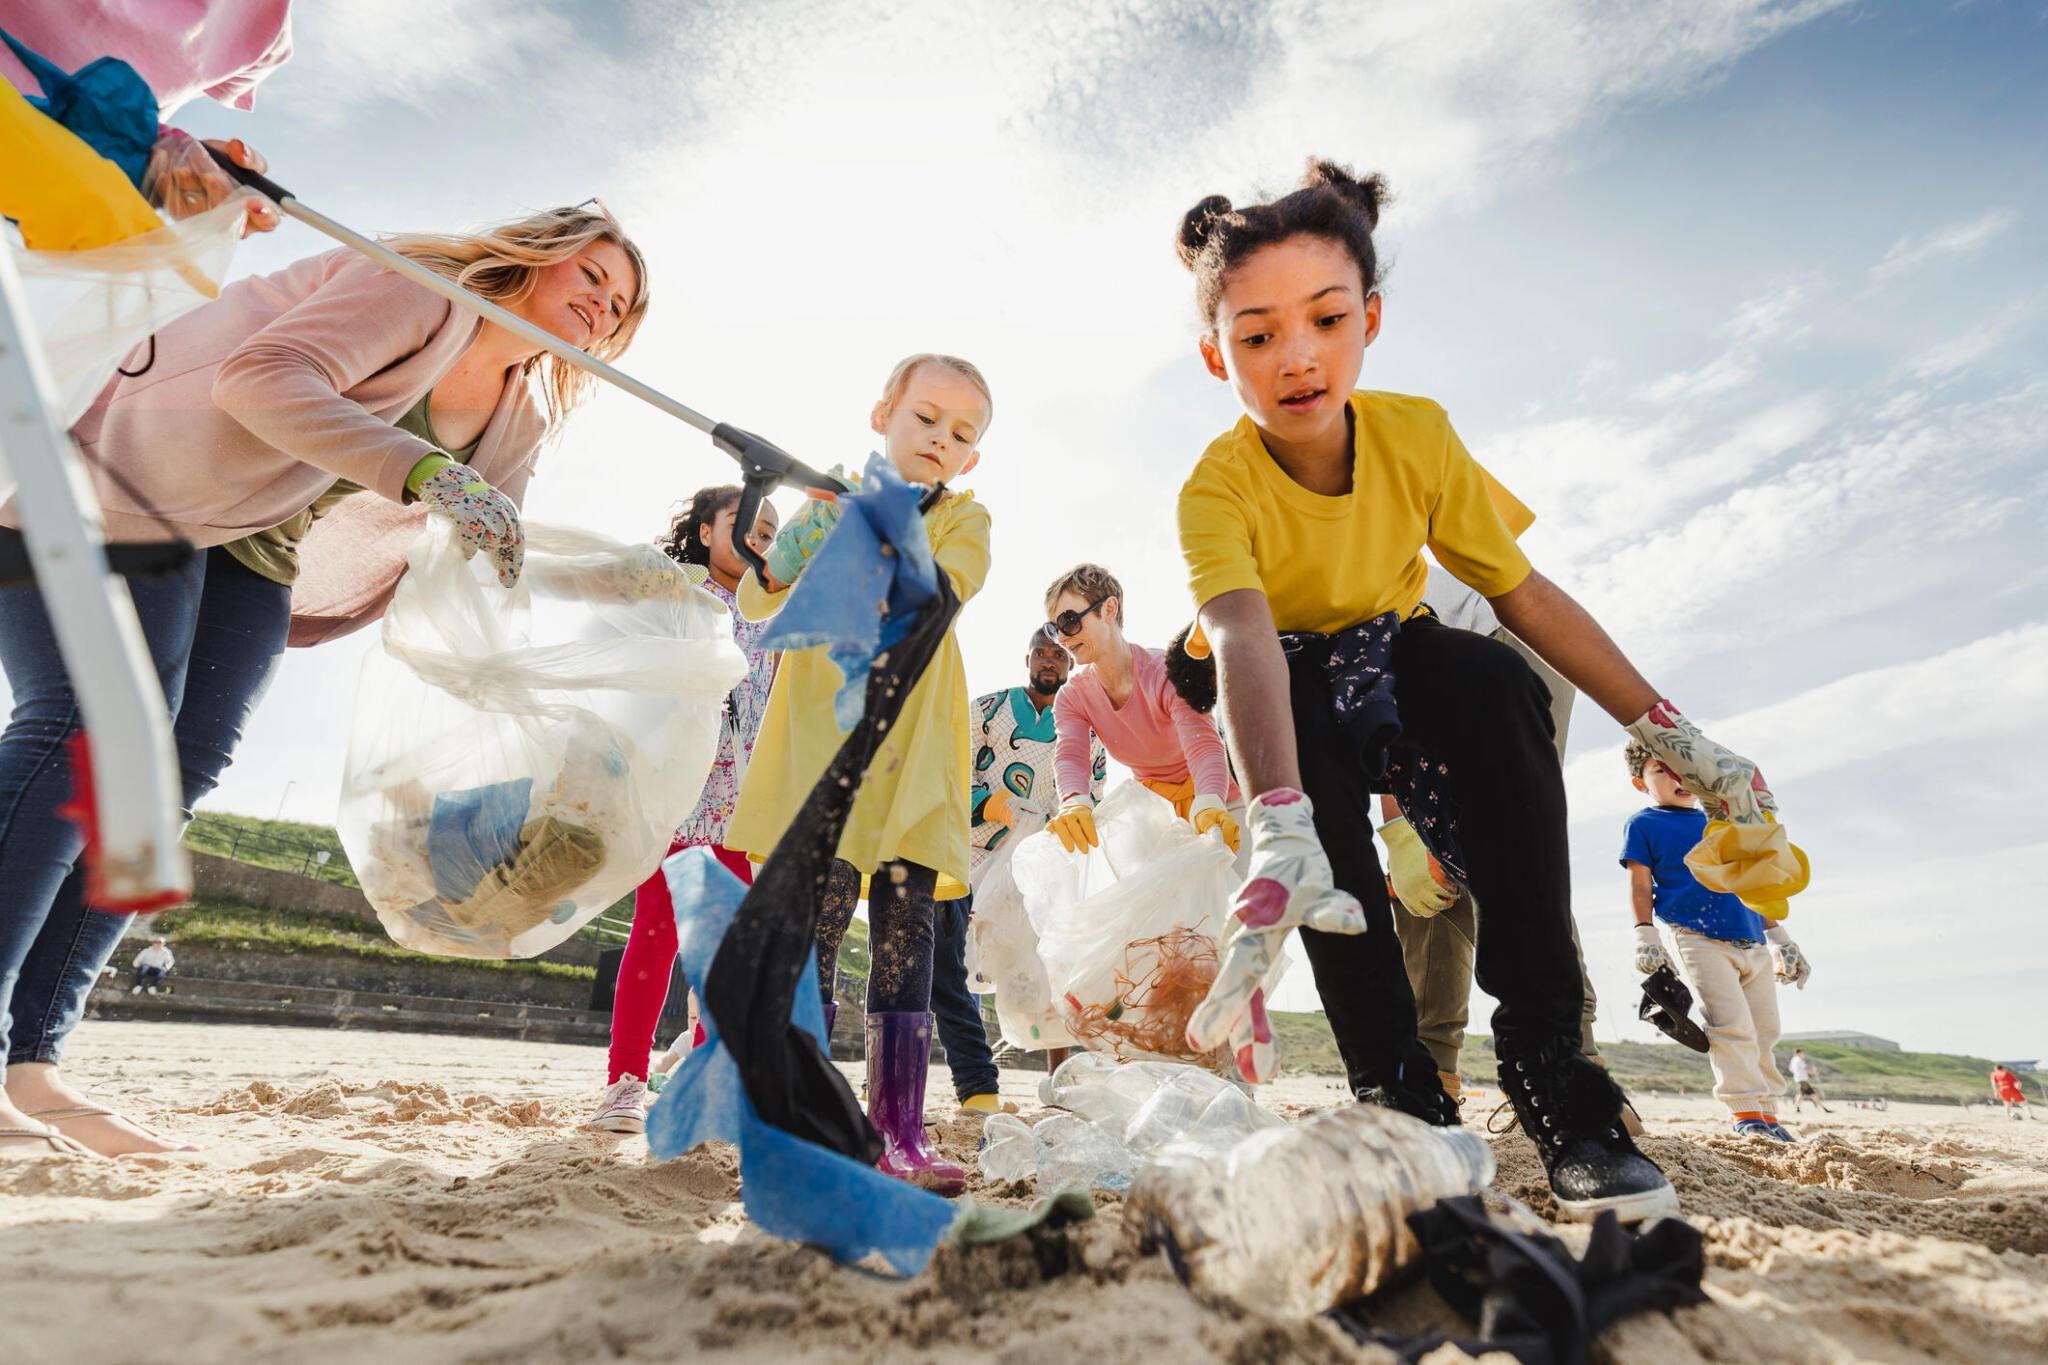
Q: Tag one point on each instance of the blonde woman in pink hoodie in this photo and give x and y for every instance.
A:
(332, 386)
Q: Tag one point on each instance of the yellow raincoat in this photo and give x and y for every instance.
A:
(65, 195)
(913, 804)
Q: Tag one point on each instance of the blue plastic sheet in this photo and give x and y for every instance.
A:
(865, 585)
(473, 831)
(105, 103)
(791, 1188)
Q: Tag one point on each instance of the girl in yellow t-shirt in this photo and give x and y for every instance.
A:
(1303, 529)
(907, 834)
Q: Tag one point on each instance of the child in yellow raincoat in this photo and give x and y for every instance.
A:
(905, 843)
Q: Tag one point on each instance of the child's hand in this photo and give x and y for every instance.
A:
(1792, 967)
(1650, 954)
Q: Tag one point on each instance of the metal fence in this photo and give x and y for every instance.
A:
(266, 848)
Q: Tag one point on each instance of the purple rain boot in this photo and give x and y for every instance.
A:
(831, 1019)
(899, 1058)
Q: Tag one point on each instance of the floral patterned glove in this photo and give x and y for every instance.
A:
(484, 518)
(1743, 852)
(1290, 886)
(1650, 954)
(801, 538)
(1792, 967)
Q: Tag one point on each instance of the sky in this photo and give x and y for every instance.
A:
(1746, 300)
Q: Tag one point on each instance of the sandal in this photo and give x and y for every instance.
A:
(54, 1143)
(56, 1118)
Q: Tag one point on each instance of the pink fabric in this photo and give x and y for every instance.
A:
(647, 964)
(183, 48)
(257, 402)
(1159, 737)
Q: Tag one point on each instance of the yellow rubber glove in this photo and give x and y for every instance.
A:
(998, 809)
(1417, 878)
(1075, 825)
(1207, 812)
(1180, 794)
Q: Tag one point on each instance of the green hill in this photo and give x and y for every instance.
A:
(1845, 1072)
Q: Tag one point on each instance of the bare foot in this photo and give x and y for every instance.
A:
(22, 1137)
(39, 1091)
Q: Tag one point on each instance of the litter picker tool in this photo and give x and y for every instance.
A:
(763, 464)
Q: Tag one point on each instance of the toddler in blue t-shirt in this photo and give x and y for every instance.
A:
(1724, 948)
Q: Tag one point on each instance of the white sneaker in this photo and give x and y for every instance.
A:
(135, 990)
(623, 1108)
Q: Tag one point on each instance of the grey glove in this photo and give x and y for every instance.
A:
(1650, 954)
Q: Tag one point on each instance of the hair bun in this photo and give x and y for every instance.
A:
(1197, 225)
(1369, 194)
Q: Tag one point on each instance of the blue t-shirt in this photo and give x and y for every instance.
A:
(1659, 837)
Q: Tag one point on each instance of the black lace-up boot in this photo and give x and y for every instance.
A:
(1572, 1112)
(1412, 1087)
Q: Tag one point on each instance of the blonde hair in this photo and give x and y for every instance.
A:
(501, 263)
(1091, 581)
(899, 378)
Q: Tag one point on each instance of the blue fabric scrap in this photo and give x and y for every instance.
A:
(472, 831)
(864, 586)
(791, 1188)
(106, 103)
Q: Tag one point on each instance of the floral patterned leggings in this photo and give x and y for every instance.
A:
(899, 933)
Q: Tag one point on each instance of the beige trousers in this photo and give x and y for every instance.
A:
(1438, 952)
(1737, 992)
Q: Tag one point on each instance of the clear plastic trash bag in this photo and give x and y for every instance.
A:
(1128, 934)
(520, 759)
(1002, 951)
(91, 308)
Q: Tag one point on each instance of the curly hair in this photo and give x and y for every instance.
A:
(685, 543)
(1194, 679)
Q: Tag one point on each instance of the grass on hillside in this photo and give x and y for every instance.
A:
(278, 931)
(287, 845)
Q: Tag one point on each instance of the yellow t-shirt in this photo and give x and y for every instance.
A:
(913, 803)
(1328, 563)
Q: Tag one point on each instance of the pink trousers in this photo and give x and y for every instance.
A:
(649, 961)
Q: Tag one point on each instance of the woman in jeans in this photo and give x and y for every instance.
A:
(256, 414)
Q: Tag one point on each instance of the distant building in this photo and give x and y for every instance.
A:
(1842, 1038)
(2022, 1068)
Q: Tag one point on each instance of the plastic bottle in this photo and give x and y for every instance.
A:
(1008, 1151)
(1299, 1219)
(1074, 1153)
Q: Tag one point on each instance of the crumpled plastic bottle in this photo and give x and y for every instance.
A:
(1008, 1151)
(1299, 1219)
(1074, 1153)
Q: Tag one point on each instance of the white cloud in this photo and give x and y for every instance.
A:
(1951, 239)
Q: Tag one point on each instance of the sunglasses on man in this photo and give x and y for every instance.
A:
(1068, 623)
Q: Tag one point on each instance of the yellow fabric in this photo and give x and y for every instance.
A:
(913, 803)
(1181, 794)
(1754, 862)
(1211, 818)
(1328, 563)
(65, 195)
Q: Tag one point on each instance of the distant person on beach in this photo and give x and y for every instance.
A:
(700, 539)
(1724, 947)
(1803, 1074)
(152, 965)
(2006, 1086)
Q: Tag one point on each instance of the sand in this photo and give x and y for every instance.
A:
(394, 1198)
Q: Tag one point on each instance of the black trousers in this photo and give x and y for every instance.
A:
(1472, 703)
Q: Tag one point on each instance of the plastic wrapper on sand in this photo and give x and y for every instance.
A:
(1002, 953)
(520, 759)
(1128, 933)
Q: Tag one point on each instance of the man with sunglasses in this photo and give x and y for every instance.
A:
(1012, 735)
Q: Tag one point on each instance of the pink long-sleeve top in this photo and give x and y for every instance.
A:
(1155, 734)
(182, 48)
(248, 409)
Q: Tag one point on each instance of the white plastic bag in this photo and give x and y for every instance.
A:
(1128, 933)
(1002, 952)
(521, 759)
(92, 307)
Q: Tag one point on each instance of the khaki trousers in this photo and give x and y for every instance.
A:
(1737, 989)
(1438, 952)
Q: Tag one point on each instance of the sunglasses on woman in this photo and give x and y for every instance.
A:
(1068, 623)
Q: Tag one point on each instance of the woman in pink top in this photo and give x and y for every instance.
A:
(1121, 695)
(247, 411)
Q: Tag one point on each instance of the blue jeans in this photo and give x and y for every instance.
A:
(957, 1009)
(214, 631)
